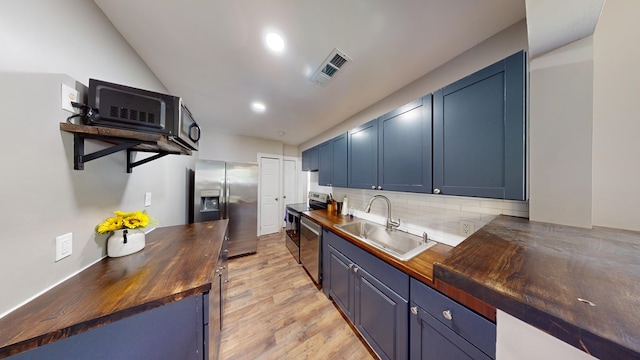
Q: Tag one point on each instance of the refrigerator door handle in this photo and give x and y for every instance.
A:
(227, 191)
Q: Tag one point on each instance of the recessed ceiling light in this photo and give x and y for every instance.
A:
(275, 42)
(258, 107)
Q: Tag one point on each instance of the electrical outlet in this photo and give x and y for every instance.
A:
(466, 228)
(64, 246)
(67, 96)
(147, 199)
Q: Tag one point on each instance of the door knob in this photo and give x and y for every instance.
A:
(276, 199)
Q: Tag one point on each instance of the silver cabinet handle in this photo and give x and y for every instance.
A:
(379, 187)
(414, 310)
(355, 269)
(436, 191)
(350, 266)
(447, 314)
(373, 187)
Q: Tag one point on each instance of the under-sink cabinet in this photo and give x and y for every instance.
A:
(372, 294)
(399, 316)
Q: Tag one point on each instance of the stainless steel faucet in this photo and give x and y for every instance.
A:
(391, 224)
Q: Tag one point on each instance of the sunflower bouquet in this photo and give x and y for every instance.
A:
(125, 220)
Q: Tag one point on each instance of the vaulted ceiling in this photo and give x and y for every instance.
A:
(213, 54)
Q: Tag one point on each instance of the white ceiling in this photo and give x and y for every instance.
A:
(212, 54)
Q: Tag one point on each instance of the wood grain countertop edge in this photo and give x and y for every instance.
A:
(12, 347)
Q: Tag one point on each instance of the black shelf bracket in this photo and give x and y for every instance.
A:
(80, 157)
(119, 139)
(131, 164)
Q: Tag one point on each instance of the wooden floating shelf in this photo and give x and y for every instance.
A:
(121, 139)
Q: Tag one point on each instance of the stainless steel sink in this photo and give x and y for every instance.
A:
(399, 244)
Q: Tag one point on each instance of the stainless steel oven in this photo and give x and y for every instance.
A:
(315, 201)
(311, 248)
(292, 229)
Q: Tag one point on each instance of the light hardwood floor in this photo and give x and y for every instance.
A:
(274, 311)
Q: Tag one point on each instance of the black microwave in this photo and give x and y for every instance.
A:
(125, 107)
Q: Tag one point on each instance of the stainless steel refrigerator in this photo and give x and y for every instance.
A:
(228, 190)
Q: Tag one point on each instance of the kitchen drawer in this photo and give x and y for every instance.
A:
(474, 328)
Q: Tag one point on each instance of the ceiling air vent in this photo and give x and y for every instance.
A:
(331, 67)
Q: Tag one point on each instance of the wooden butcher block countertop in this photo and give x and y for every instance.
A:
(177, 262)
(579, 285)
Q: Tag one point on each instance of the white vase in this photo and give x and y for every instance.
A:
(124, 242)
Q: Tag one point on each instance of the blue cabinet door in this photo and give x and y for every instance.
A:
(363, 156)
(404, 156)
(325, 155)
(340, 281)
(339, 161)
(430, 340)
(310, 159)
(381, 316)
(332, 162)
(479, 133)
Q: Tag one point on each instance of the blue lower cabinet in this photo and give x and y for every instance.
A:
(381, 316)
(171, 331)
(442, 329)
(375, 297)
(339, 281)
(370, 293)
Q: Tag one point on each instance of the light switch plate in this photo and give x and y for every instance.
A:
(67, 95)
(147, 199)
(64, 246)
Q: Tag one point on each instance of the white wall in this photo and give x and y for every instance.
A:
(616, 120)
(519, 340)
(42, 196)
(561, 122)
(226, 147)
(72, 37)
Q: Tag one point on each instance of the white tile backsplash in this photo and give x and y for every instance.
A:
(438, 215)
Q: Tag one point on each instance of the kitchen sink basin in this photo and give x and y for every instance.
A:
(399, 244)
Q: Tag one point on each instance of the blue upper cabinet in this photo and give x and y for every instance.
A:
(332, 162)
(310, 159)
(363, 156)
(479, 133)
(404, 153)
(393, 152)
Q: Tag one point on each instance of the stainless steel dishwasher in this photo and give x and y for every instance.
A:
(311, 249)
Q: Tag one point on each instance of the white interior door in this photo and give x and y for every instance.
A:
(289, 182)
(270, 209)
